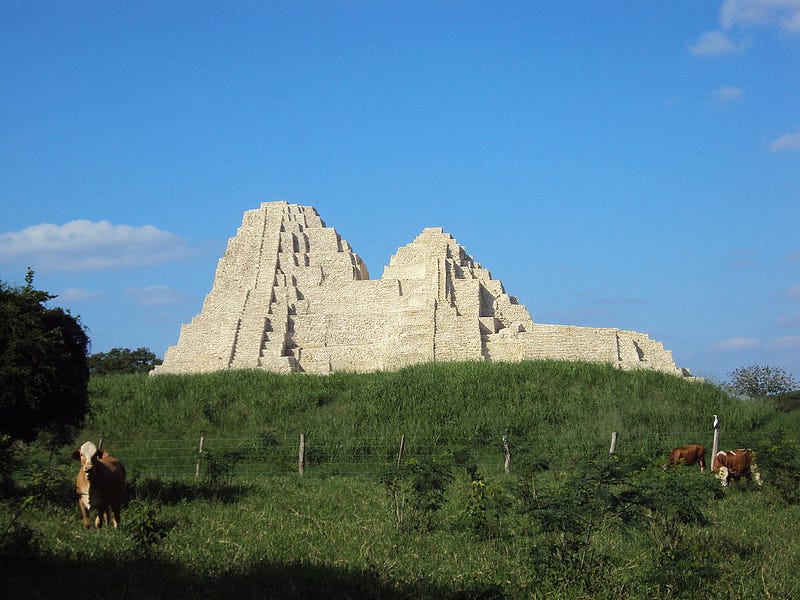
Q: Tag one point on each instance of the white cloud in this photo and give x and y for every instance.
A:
(789, 321)
(738, 15)
(155, 295)
(73, 294)
(786, 343)
(747, 13)
(788, 142)
(793, 292)
(739, 343)
(714, 43)
(88, 246)
(728, 94)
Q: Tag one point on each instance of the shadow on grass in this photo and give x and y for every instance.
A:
(49, 577)
(172, 492)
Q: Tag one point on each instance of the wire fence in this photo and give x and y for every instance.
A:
(278, 455)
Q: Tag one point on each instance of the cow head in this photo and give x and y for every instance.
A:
(88, 455)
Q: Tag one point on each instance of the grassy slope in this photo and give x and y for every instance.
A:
(560, 408)
(319, 536)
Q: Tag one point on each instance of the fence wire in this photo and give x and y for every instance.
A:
(277, 455)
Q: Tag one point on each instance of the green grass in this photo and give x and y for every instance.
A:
(251, 527)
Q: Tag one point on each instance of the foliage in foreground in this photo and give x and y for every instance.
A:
(445, 521)
(43, 372)
(611, 527)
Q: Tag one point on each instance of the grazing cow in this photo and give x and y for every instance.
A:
(688, 455)
(100, 485)
(735, 464)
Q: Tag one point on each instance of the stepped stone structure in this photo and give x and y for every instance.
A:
(291, 295)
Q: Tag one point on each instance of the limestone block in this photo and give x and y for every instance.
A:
(289, 294)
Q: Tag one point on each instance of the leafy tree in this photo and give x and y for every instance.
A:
(122, 361)
(620, 493)
(758, 381)
(43, 370)
(418, 489)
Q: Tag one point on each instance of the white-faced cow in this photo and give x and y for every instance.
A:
(735, 464)
(688, 455)
(100, 485)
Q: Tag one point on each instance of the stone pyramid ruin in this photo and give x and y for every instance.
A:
(290, 295)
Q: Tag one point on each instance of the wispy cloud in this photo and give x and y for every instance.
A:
(739, 15)
(155, 295)
(73, 294)
(786, 343)
(787, 321)
(89, 246)
(727, 94)
(738, 343)
(784, 14)
(793, 292)
(715, 43)
(746, 343)
(786, 143)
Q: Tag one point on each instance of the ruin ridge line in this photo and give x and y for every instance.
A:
(290, 295)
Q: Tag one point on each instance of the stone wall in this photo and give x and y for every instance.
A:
(290, 295)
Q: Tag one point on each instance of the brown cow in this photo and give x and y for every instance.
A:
(688, 455)
(100, 485)
(735, 464)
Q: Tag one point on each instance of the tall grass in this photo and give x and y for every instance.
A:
(251, 527)
(561, 409)
(426, 401)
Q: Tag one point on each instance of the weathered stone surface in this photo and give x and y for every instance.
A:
(291, 295)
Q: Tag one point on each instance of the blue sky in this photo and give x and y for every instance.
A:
(614, 164)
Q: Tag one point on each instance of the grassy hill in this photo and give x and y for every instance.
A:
(559, 408)
(569, 520)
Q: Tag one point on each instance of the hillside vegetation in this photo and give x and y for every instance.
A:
(567, 520)
(561, 408)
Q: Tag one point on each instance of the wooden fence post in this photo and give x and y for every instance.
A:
(507, 465)
(301, 459)
(199, 457)
(613, 448)
(402, 447)
(715, 447)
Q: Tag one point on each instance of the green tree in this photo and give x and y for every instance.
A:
(619, 494)
(122, 361)
(43, 370)
(758, 381)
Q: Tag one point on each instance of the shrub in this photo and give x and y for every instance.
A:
(145, 525)
(418, 489)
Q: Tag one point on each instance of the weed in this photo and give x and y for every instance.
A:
(146, 526)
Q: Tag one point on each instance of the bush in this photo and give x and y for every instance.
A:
(418, 489)
(779, 462)
(43, 371)
(119, 361)
(759, 381)
(145, 525)
(603, 496)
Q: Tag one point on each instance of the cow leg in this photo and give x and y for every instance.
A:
(84, 514)
(113, 513)
(101, 516)
(756, 474)
(723, 476)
